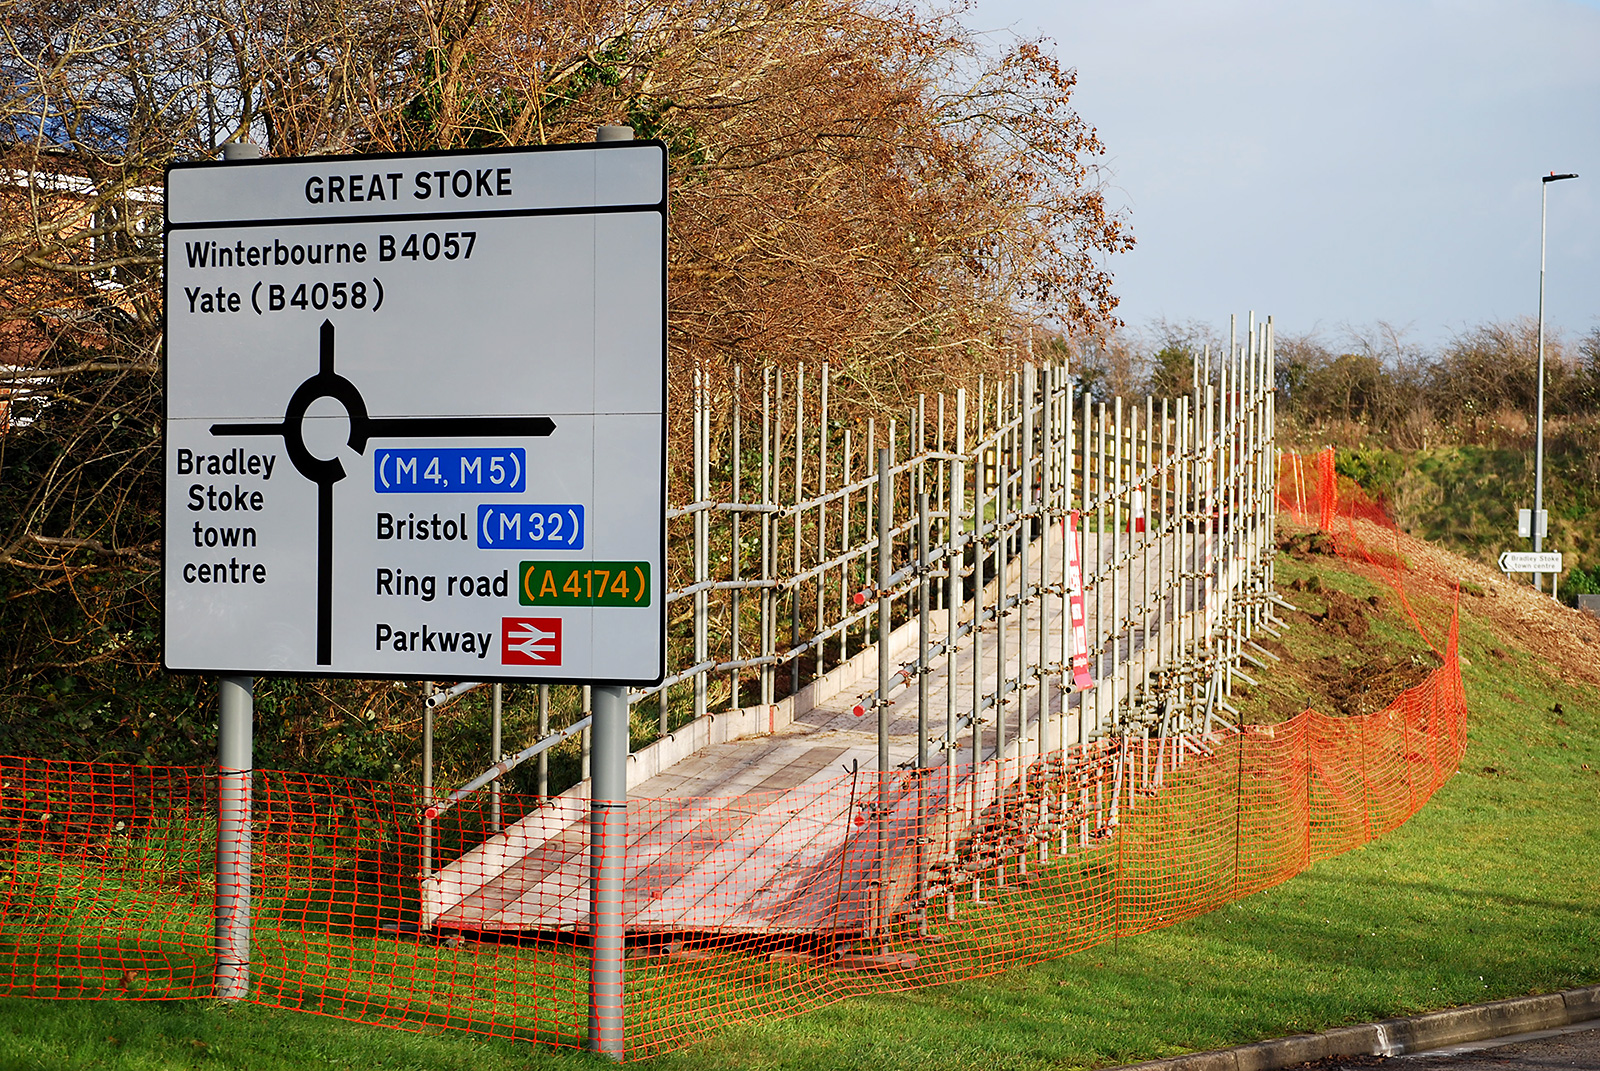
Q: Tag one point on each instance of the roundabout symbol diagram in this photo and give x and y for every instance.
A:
(326, 472)
(356, 492)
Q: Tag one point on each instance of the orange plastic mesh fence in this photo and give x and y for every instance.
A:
(1311, 493)
(769, 903)
(1342, 509)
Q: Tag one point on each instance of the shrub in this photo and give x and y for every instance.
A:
(1579, 581)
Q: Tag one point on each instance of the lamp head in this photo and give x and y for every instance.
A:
(1553, 177)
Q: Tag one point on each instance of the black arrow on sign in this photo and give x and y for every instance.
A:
(325, 472)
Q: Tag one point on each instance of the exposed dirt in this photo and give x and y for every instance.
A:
(1421, 582)
(1333, 685)
(1567, 640)
(1345, 615)
(1350, 670)
(1305, 545)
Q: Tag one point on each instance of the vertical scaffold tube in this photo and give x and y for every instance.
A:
(1064, 656)
(768, 682)
(1026, 596)
(924, 626)
(702, 536)
(952, 608)
(846, 580)
(1002, 481)
(1106, 684)
(799, 497)
(924, 607)
(885, 555)
(1046, 501)
(735, 549)
(1118, 576)
(1087, 470)
(822, 525)
(952, 613)
(976, 660)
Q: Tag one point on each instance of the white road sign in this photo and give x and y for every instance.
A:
(1529, 561)
(416, 415)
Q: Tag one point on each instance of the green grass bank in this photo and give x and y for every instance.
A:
(1466, 497)
(1487, 893)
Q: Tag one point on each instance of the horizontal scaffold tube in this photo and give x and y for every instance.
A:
(505, 766)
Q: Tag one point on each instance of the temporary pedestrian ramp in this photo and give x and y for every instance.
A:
(781, 831)
(796, 855)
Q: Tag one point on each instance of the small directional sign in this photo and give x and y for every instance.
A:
(392, 383)
(1530, 561)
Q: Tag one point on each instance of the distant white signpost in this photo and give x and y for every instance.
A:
(416, 415)
(1530, 561)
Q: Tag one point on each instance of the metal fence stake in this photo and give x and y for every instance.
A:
(427, 777)
(495, 756)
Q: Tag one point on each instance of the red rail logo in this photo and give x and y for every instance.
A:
(530, 641)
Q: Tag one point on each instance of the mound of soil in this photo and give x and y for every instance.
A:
(1564, 639)
(1372, 685)
(1345, 615)
(1368, 675)
(1304, 545)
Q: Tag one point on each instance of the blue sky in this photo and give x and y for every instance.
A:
(1341, 162)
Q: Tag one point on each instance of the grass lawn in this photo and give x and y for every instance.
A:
(1488, 892)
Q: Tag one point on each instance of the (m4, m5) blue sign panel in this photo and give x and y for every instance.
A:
(445, 471)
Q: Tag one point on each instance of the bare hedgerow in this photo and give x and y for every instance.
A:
(862, 183)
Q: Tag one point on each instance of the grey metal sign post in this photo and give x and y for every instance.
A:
(235, 770)
(608, 838)
(416, 429)
(235, 794)
(1538, 438)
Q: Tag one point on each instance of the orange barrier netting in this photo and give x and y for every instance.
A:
(770, 903)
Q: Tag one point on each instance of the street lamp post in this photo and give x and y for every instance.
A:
(1536, 528)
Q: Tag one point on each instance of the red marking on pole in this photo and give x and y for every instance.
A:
(1081, 675)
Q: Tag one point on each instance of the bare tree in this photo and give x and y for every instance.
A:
(856, 182)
